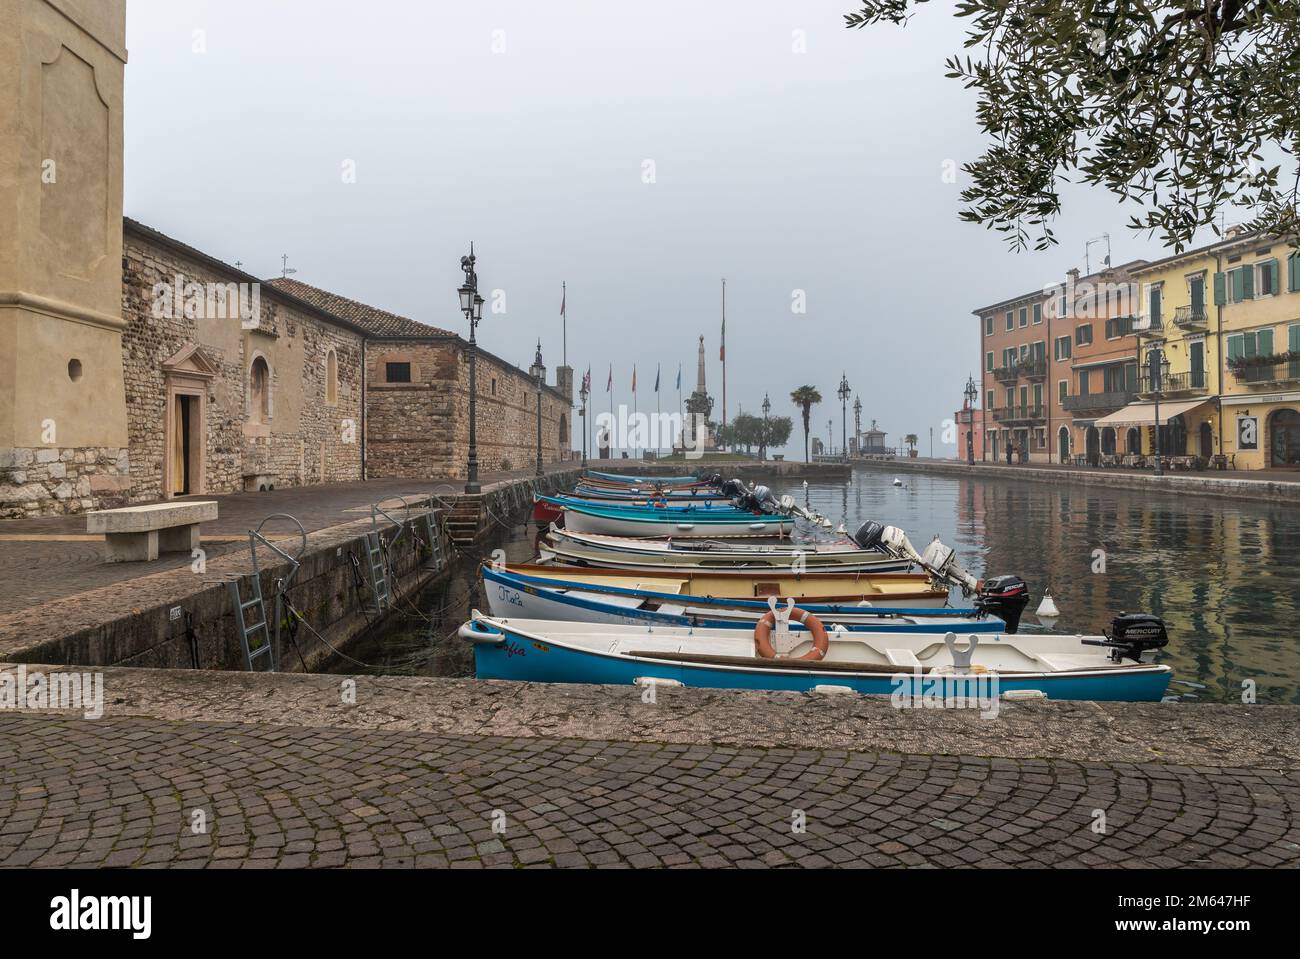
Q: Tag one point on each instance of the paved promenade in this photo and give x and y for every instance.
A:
(277, 771)
(51, 558)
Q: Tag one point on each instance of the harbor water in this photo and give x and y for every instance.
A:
(1225, 575)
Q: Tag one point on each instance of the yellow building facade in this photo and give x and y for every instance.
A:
(1258, 291)
(1224, 322)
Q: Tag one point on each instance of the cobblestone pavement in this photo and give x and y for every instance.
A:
(124, 792)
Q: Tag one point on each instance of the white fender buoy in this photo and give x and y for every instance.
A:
(1047, 608)
(897, 481)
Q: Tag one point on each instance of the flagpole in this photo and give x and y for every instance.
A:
(724, 353)
(564, 321)
(658, 411)
(634, 408)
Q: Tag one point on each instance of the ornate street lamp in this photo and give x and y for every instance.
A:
(583, 392)
(843, 393)
(762, 447)
(471, 304)
(972, 392)
(857, 422)
(1157, 371)
(539, 376)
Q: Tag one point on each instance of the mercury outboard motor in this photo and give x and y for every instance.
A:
(869, 535)
(1131, 635)
(1004, 597)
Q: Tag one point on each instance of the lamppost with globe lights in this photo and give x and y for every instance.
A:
(539, 377)
(1157, 371)
(972, 391)
(762, 450)
(471, 304)
(843, 393)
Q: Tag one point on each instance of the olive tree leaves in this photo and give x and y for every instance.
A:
(1172, 105)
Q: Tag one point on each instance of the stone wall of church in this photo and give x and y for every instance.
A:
(170, 302)
(421, 428)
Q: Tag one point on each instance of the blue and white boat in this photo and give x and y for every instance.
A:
(711, 506)
(623, 520)
(592, 599)
(642, 480)
(915, 664)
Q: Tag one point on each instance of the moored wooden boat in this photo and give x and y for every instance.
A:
(637, 521)
(545, 592)
(625, 552)
(1060, 667)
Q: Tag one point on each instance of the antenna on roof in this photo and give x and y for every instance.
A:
(1087, 266)
(285, 269)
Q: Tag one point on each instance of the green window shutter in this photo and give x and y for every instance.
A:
(1236, 347)
(1265, 342)
(1248, 282)
(1293, 272)
(1238, 285)
(1293, 337)
(1277, 276)
(1038, 312)
(1220, 290)
(1198, 297)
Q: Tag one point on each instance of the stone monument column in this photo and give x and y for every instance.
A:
(63, 426)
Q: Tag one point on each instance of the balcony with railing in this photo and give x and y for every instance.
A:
(1191, 318)
(1196, 381)
(1267, 371)
(1097, 403)
(1019, 414)
(1034, 368)
(1007, 374)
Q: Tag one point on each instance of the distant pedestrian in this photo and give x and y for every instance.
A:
(1009, 445)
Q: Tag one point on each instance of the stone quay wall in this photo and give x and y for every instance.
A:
(1223, 485)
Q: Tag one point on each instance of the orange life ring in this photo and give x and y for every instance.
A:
(763, 632)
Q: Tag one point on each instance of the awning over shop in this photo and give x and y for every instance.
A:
(1144, 414)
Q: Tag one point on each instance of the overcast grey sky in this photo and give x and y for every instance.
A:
(780, 170)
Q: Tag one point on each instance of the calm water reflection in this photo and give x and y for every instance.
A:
(1224, 575)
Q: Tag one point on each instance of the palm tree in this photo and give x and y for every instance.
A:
(911, 440)
(804, 398)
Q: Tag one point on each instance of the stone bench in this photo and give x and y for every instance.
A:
(140, 533)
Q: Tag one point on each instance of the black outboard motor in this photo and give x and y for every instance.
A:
(733, 488)
(869, 535)
(1004, 597)
(712, 479)
(1132, 634)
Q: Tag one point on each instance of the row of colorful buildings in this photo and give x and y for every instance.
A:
(1074, 371)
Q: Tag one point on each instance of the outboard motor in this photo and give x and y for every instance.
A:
(1004, 597)
(733, 488)
(869, 535)
(1131, 635)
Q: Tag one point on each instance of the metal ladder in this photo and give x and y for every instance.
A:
(437, 554)
(268, 642)
(379, 590)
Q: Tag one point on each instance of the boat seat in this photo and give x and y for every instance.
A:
(902, 657)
